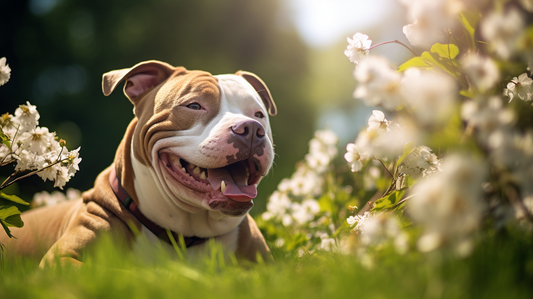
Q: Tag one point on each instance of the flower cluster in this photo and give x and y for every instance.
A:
(450, 99)
(45, 199)
(295, 205)
(32, 150)
(5, 71)
(35, 148)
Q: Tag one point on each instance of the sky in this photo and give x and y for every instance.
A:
(323, 22)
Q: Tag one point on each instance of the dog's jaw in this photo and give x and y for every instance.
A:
(177, 214)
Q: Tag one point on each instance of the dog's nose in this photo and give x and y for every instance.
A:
(251, 132)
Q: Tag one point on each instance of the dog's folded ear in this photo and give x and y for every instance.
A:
(139, 78)
(261, 88)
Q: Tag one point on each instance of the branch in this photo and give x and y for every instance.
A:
(6, 183)
(393, 42)
(513, 197)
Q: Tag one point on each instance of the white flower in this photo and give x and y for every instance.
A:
(352, 220)
(420, 161)
(305, 212)
(327, 244)
(386, 145)
(74, 160)
(305, 182)
(487, 116)
(62, 177)
(502, 30)
(420, 34)
(431, 18)
(482, 71)
(378, 122)
(37, 140)
(5, 71)
(46, 199)
(27, 160)
(520, 87)
(360, 220)
(354, 157)
(277, 206)
(27, 117)
(431, 94)
(322, 149)
(448, 204)
(378, 84)
(327, 137)
(358, 47)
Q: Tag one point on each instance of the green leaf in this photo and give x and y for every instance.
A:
(9, 216)
(417, 62)
(8, 231)
(467, 93)
(389, 201)
(407, 149)
(14, 220)
(449, 51)
(4, 138)
(13, 198)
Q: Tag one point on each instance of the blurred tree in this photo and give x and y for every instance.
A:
(58, 50)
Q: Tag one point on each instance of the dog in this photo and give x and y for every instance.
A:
(187, 168)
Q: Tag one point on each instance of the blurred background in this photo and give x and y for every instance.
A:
(59, 49)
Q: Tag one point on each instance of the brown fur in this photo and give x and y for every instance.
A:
(63, 232)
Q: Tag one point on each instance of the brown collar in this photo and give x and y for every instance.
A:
(160, 232)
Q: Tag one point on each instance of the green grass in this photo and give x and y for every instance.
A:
(500, 267)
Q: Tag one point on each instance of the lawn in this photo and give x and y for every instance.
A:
(500, 267)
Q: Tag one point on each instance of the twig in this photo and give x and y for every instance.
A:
(6, 184)
(405, 199)
(386, 168)
(514, 199)
(393, 42)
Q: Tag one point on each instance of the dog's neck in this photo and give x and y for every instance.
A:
(187, 220)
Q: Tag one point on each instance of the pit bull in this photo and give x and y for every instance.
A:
(188, 167)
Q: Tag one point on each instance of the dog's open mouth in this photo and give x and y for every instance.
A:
(237, 181)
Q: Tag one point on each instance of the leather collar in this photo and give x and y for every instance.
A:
(131, 206)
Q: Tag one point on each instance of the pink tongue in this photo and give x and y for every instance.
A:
(237, 191)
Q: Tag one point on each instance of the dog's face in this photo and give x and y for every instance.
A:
(206, 139)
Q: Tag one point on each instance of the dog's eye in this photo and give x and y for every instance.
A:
(194, 106)
(259, 114)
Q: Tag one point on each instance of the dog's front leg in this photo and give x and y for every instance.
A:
(81, 232)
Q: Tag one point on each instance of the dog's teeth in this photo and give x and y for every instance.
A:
(196, 170)
(222, 187)
(203, 176)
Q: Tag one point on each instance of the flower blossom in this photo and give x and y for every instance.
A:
(5, 71)
(354, 157)
(322, 149)
(482, 71)
(430, 19)
(27, 117)
(35, 148)
(378, 122)
(421, 161)
(448, 205)
(487, 116)
(431, 94)
(502, 30)
(378, 84)
(358, 47)
(520, 87)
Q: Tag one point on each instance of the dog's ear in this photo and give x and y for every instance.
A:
(139, 78)
(261, 88)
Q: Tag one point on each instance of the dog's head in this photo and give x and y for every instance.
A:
(205, 140)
